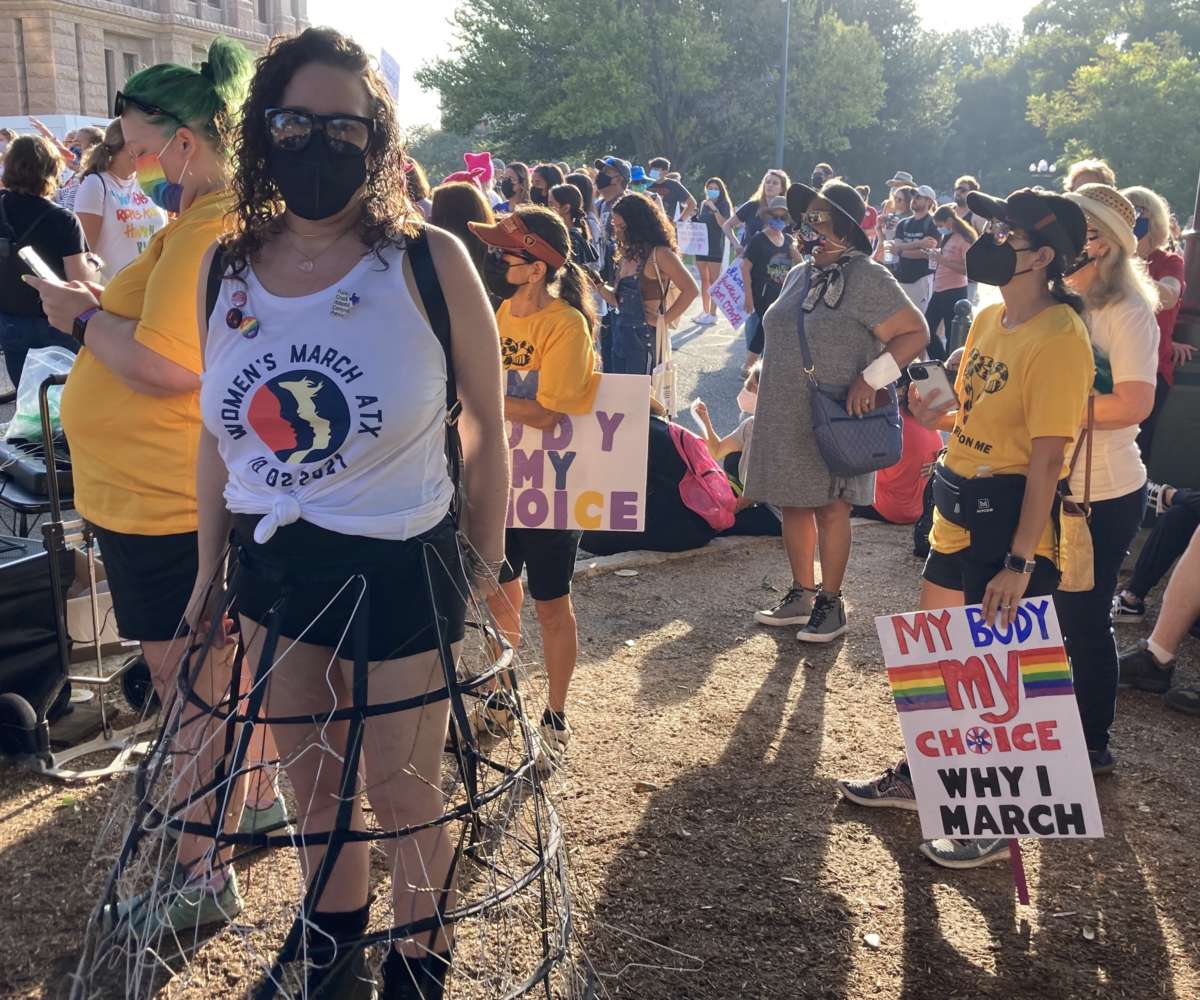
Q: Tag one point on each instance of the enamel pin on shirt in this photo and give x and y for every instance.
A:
(343, 303)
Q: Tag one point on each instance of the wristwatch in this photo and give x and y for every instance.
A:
(1018, 565)
(79, 327)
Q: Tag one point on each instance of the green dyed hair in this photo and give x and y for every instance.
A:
(205, 100)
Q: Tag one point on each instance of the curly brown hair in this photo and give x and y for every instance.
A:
(646, 227)
(387, 213)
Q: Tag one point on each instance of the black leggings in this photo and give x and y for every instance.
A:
(1086, 618)
(1168, 539)
(941, 310)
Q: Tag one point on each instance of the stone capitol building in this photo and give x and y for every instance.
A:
(70, 57)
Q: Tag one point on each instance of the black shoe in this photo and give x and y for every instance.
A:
(1139, 669)
(407, 978)
(336, 962)
(1184, 700)
(1103, 762)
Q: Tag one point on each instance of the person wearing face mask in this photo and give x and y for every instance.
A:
(514, 185)
(546, 328)
(362, 571)
(612, 181)
(861, 331)
(821, 173)
(677, 200)
(765, 264)
(949, 277)
(130, 410)
(82, 142)
(1153, 232)
(1120, 299)
(715, 213)
(541, 179)
(567, 203)
(774, 184)
(117, 216)
(1024, 380)
(915, 236)
(29, 218)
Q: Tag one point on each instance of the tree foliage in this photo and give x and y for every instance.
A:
(869, 87)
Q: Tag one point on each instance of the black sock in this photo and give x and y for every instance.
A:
(408, 977)
(330, 932)
(557, 720)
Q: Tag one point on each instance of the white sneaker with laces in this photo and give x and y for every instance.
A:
(553, 747)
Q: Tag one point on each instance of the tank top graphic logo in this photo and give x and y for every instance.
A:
(302, 416)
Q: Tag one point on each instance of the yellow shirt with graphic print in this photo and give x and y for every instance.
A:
(549, 357)
(1014, 386)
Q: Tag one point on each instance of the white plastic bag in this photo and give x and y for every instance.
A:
(40, 364)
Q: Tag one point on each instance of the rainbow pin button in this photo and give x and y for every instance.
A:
(249, 328)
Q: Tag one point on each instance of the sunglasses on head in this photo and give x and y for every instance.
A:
(123, 101)
(293, 128)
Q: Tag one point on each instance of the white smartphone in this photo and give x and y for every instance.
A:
(37, 265)
(933, 382)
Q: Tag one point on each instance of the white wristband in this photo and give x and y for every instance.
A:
(881, 372)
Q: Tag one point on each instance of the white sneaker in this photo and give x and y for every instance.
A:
(491, 717)
(706, 319)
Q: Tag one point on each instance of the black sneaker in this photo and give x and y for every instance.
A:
(1184, 700)
(1103, 762)
(1139, 669)
(1126, 609)
(828, 619)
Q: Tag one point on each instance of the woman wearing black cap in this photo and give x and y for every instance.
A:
(1024, 381)
(862, 330)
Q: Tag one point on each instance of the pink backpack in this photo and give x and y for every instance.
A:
(704, 489)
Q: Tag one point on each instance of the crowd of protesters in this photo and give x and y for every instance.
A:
(552, 275)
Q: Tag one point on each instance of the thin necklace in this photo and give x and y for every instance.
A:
(307, 262)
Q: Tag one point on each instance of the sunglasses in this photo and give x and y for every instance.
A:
(1002, 232)
(817, 217)
(499, 253)
(122, 101)
(292, 129)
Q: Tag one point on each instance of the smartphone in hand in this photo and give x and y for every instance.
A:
(932, 382)
(38, 266)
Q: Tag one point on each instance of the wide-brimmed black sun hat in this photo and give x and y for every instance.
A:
(1050, 219)
(842, 197)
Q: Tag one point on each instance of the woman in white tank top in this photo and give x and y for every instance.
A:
(324, 401)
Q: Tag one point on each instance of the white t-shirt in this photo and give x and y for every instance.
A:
(129, 218)
(1125, 336)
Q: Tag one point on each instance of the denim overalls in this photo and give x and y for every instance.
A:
(633, 345)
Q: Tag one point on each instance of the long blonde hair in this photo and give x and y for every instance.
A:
(779, 175)
(1118, 275)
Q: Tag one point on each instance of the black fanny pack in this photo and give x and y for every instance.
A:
(988, 507)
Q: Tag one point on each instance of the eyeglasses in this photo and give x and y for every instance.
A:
(1001, 233)
(292, 129)
(124, 100)
(499, 253)
(816, 218)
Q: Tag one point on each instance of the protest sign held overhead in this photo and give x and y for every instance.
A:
(990, 722)
(588, 472)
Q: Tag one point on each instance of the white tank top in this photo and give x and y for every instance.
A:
(329, 407)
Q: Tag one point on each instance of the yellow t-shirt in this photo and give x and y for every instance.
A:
(549, 357)
(133, 455)
(1013, 386)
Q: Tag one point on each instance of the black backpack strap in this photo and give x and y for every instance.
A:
(434, 301)
(212, 288)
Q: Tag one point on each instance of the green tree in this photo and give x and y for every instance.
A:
(1136, 108)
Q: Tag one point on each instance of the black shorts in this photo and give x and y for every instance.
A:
(548, 556)
(958, 571)
(151, 578)
(303, 568)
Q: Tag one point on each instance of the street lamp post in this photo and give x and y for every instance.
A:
(787, 32)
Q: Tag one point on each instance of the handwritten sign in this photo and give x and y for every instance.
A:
(729, 293)
(692, 238)
(588, 472)
(989, 718)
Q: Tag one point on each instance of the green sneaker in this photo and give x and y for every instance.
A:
(273, 817)
(178, 908)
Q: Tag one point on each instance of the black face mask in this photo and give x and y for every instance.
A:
(960, 200)
(495, 276)
(818, 180)
(316, 182)
(507, 187)
(538, 196)
(603, 180)
(992, 263)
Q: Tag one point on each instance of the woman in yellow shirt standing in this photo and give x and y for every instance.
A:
(130, 408)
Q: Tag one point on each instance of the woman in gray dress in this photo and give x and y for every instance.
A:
(862, 330)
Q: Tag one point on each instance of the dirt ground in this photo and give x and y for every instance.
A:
(711, 855)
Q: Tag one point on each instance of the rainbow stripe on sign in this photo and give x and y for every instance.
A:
(1045, 672)
(918, 688)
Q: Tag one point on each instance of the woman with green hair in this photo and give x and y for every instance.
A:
(131, 412)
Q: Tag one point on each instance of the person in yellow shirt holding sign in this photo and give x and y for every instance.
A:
(550, 365)
(1022, 387)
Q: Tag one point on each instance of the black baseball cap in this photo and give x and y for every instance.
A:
(1049, 219)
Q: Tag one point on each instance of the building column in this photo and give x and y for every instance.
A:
(95, 83)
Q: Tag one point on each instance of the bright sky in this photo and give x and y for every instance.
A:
(419, 30)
